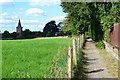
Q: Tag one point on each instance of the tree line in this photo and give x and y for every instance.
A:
(51, 29)
(93, 18)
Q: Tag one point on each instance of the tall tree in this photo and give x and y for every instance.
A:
(78, 17)
(111, 15)
(95, 17)
(6, 34)
(50, 27)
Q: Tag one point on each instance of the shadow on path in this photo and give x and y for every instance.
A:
(94, 71)
(95, 64)
(91, 59)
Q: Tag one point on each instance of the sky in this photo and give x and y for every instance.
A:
(34, 14)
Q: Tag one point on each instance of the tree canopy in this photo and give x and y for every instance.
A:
(50, 27)
(96, 18)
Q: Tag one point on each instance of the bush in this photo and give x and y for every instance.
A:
(100, 45)
(49, 34)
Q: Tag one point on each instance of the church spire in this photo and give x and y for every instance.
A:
(19, 27)
(19, 23)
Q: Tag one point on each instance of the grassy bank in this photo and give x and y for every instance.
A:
(111, 62)
(30, 58)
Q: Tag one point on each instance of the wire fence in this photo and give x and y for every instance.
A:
(63, 65)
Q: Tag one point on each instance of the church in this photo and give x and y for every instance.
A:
(26, 33)
(19, 27)
(49, 30)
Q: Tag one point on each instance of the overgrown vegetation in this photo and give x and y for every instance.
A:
(79, 70)
(30, 58)
(100, 45)
(97, 18)
(58, 68)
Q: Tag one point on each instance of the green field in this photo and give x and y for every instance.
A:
(30, 58)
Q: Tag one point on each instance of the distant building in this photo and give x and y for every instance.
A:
(20, 34)
(26, 33)
(19, 27)
(19, 30)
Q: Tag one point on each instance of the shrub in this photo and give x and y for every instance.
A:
(49, 34)
(100, 45)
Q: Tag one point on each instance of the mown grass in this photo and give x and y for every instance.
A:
(29, 58)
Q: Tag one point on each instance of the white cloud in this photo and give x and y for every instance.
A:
(6, 3)
(7, 21)
(22, 21)
(8, 27)
(1, 1)
(28, 26)
(19, 8)
(57, 18)
(30, 21)
(44, 3)
(33, 27)
(41, 26)
(37, 26)
(14, 17)
(5, 15)
(34, 12)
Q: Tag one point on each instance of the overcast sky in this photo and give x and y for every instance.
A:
(34, 14)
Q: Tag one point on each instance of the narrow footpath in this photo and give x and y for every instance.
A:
(96, 65)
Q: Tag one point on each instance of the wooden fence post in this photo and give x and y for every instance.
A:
(74, 51)
(70, 62)
(83, 38)
(78, 48)
(80, 41)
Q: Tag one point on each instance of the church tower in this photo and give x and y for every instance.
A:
(19, 27)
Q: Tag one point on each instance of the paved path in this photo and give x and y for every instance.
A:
(96, 65)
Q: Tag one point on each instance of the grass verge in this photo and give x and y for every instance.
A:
(111, 62)
(81, 68)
